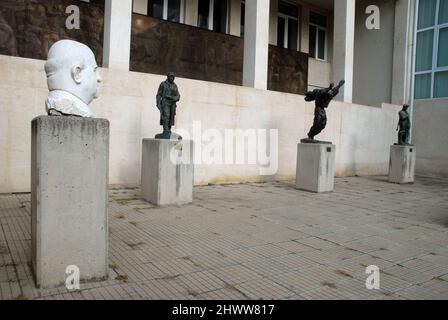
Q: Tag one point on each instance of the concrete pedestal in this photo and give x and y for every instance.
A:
(167, 171)
(402, 164)
(69, 177)
(315, 167)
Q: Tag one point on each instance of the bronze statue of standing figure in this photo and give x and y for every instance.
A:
(322, 98)
(167, 97)
(404, 126)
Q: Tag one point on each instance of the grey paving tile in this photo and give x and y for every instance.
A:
(422, 293)
(258, 240)
(264, 289)
(236, 274)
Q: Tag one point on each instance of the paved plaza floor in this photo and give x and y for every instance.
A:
(257, 241)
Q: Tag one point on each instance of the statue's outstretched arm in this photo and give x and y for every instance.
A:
(335, 91)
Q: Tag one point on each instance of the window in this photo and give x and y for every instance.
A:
(171, 10)
(213, 15)
(318, 36)
(220, 9)
(288, 26)
(431, 61)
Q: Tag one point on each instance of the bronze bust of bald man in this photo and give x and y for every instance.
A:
(167, 98)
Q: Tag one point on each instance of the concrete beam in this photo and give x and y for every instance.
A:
(256, 44)
(343, 47)
(140, 6)
(191, 12)
(403, 39)
(235, 18)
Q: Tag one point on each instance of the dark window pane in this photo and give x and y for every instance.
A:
(243, 13)
(423, 86)
(443, 11)
(424, 50)
(203, 13)
(321, 45)
(97, 2)
(220, 16)
(313, 31)
(441, 84)
(155, 8)
(426, 13)
(318, 19)
(174, 10)
(288, 9)
(292, 34)
(281, 32)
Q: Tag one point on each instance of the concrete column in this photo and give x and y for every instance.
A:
(343, 47)
(117, 34)
(256, 44)
(235, 18)
(191, 12)
(402, 63)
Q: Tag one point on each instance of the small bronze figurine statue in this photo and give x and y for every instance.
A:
(322, 98)
(403, 127)
(167, 97)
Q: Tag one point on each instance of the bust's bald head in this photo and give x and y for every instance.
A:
(71, 67)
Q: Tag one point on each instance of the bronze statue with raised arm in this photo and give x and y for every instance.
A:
(322, 98)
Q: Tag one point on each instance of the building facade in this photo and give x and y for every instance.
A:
(430, 107)
(282, 45)
(240, 64)
(332, 33)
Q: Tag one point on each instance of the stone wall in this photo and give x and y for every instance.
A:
(159, 46)
(362, 134)
(28, 28)
(287, 70)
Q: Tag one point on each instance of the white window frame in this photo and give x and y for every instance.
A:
(165, 10)
(211, 7)
(285, 37)
(435, 50)
(318, 27)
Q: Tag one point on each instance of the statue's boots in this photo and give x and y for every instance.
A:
(166, 130)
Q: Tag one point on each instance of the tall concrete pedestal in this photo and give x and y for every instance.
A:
(402, 164)
(69, 177)
(315, 167)
(167, 171)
